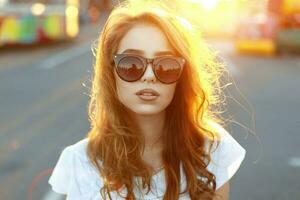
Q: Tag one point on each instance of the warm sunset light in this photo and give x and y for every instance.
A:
(149, 99)
(215, 17)
(208, 4)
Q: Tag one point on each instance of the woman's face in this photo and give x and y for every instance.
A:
(147, 41)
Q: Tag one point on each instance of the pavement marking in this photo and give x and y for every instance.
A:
(50, 195)
(294, 162)
(64, 56)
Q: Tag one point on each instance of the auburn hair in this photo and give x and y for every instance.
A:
(115, 143)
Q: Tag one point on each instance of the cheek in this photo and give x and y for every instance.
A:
(122, 89)
(125, 91)
(169, 92)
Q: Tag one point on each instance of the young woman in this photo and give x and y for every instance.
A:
(155, 134)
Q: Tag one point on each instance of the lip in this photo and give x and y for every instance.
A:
(147, 90)
(147, 97)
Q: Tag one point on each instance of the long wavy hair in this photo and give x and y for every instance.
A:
(115, 142)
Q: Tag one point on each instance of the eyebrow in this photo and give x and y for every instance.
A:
(158, 53)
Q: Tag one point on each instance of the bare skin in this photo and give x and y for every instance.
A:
(148, 115)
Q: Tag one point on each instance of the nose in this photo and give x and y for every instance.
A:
(149, 75)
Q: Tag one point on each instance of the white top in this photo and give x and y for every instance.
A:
(76, 177)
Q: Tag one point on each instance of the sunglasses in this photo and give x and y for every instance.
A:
(130, 68)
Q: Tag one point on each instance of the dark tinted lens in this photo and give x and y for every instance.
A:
(130, 68)
(168, 70)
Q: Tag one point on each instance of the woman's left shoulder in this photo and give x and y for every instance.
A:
(226, 157)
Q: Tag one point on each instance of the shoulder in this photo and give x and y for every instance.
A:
(80, 148)
(73, 173)
(226, 157)
(75, 153)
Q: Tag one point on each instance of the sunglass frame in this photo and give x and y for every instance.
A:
(154, 61)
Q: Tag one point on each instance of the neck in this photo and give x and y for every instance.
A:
(152, 129)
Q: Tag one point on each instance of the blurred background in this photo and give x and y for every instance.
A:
(45, 75)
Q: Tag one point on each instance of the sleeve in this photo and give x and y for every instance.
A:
(60, 178)
(226, 158)
(74, 176)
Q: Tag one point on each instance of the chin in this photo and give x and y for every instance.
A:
(147, 110)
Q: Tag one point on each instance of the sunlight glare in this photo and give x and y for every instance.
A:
(207, 4)
(184, 22)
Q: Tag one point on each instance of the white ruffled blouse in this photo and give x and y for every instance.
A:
(77, 178)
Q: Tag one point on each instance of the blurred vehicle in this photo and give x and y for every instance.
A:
(34, 21)
(288, 37)
(288, 41)
(256, 35)
(275, 30)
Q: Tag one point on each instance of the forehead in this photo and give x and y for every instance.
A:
(149, 39)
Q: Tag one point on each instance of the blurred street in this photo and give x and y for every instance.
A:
(43, 108)
(44, 98)
(271, 169)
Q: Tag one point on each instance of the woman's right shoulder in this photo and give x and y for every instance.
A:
(73, 173)
(80, 148)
